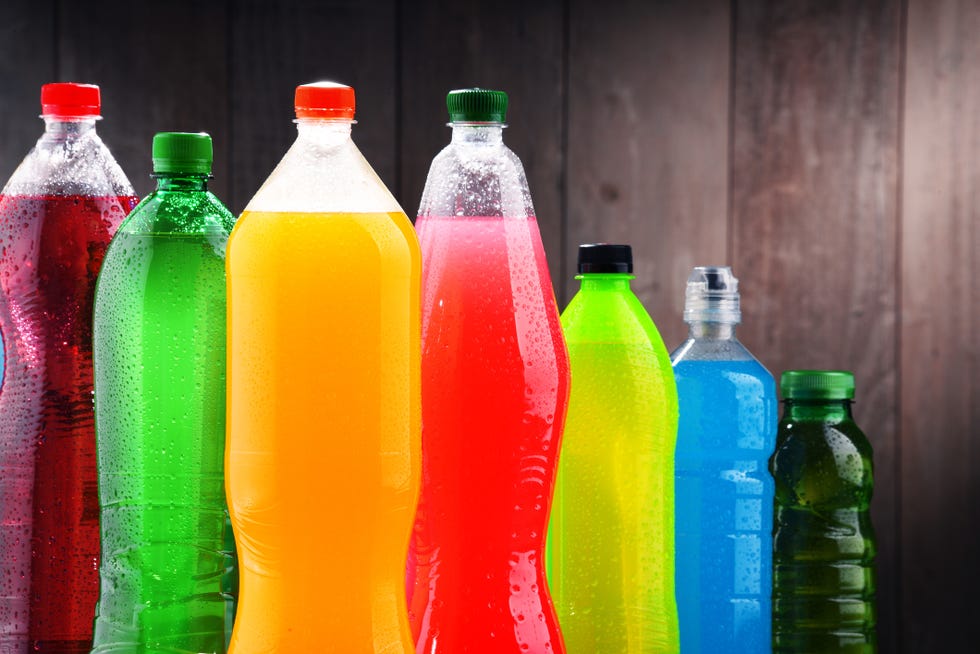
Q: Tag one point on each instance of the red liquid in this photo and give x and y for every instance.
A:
(495, 387)
(51, 249)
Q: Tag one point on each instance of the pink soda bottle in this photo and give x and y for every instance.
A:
(57, 215)
(495, 382)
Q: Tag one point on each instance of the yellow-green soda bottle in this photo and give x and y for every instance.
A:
(611, 537)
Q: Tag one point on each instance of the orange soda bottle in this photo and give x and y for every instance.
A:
(323, 447)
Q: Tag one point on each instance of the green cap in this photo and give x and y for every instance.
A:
(817, 385)
(477, 106)
(182, 152)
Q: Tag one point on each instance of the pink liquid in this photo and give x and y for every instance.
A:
(51, 249)
(495, 384)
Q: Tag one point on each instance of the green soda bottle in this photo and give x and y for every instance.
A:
(168, 572)
(823, 548)
(610, 550)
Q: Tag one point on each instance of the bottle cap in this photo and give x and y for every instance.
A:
(325, 100)
(605, 258)
(817, 385)
(712, 296)
(69, 99)
(182, 152)
(476, 106)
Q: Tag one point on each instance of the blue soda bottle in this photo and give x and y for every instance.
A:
(723, 489)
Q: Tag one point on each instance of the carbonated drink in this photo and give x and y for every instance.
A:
(611, 539)
(495, 388)
(824, 548)
(324, 427)
(57, 215)
(723, 487)
(167, 575)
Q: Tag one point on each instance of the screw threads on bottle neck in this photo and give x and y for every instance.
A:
(712, 296)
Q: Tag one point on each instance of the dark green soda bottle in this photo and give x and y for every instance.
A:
(168, 572)
(823, 547)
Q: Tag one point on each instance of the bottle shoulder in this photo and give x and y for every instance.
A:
(476, 180)
(706, 364)
(173, 212)
(318, 177)
(824, 464)
(840, 435)
(609, 317)
(704, 350)
(76, 166)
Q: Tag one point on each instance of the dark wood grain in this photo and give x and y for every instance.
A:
(814, 213)
(27, 60)
(161, 67)
(279, 44)
(512, 45)
(940, 394)
(648, 142)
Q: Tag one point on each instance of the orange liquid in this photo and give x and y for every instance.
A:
(323, 447)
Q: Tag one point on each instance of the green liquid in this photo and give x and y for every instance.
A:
(823, 552)
(168, 571)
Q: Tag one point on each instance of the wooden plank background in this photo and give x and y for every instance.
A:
(815, 213)
(940, 299)
(827, 149)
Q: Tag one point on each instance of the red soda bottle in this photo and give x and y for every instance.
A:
(495, 384)
(57, 215)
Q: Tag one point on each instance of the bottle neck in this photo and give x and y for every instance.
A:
(712, 331)
(817, 410)
(60, 128)
(181, 182)
(324, 131)
(478, 133)
(605, 281)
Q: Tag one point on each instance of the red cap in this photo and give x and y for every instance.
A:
(325, 100)
(67, 99)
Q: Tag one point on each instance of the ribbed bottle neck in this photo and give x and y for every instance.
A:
(817, 410)
(477, 133)
(324, 131)
(712, 296)
(712, 331)
(605, 282)
(181, 182)
(58, 128)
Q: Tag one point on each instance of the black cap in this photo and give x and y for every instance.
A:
(605, 258)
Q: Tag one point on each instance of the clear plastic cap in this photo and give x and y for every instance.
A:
(712, 296)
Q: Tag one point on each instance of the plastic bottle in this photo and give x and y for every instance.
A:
(57, 215)
(723, 489)
(495, 390)
(824, 549)
(160, 415)
(323, 453)
(611, 538)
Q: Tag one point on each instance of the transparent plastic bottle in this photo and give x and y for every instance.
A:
(723, 489)
(611, 538)
(495, 386)
(323, 449)
(160, 415)
(824, 545)
(57, 215)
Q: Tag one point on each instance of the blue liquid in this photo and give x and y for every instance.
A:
(724, 500)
